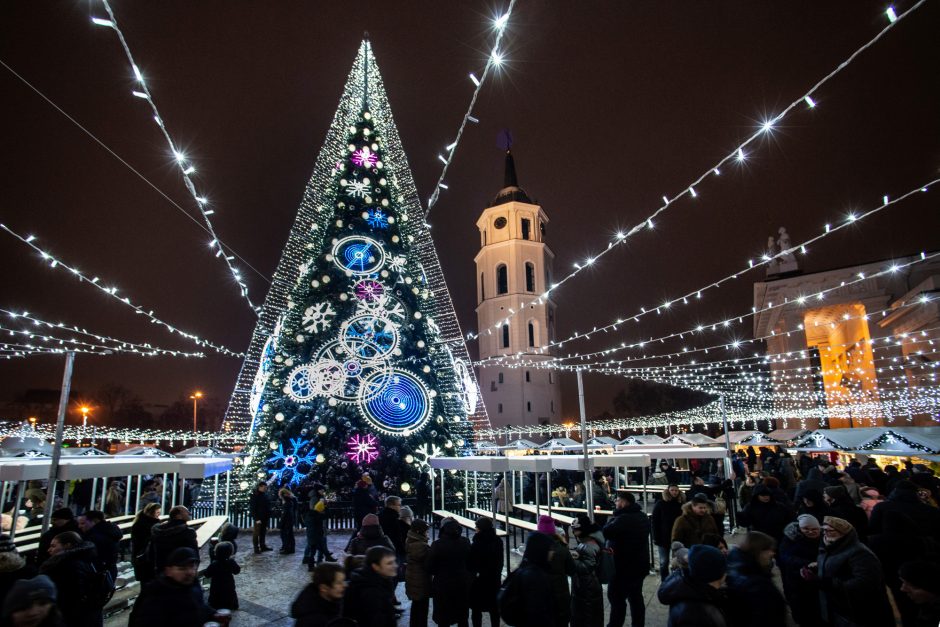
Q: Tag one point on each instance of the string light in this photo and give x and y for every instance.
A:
(736, 154)
(495, 59)
(186, 170)
(113, 291)
(66, 345)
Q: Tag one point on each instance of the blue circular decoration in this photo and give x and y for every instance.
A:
(300, 384)
(402, 405)
(359, 255)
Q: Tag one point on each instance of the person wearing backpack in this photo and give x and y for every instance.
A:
(79, 581)
(523, 597)
(627, 533)
(587, 595)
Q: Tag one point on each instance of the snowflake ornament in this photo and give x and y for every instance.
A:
(362, 449)
(368, 289)
(397, 263)
(365, 158)
(291, 467)
(357, 189)
(317, 317)
(377, 219)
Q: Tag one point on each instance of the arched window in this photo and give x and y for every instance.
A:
(529, 277)
(482, 286)
(505, 335)
(531, 334)
(502, 279)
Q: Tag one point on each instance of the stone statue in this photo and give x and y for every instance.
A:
(784, 243)
(771, 247)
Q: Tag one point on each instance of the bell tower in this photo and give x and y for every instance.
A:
(514, 266)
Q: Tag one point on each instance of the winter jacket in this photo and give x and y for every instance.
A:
(486, 565)
(45, 540)
(692, 603)
(794, 553)
(222, 594)
(753, 599)
(851, 584)
(844, 508)
(450, 578)
(769, 518)
(690, 528)
(106, 536)
(417, 577)
(628, 531)
(367, 538)
(312, 610)
(363, 503)
(168, 536)
(535, 584)
(587, 596)
(140, 534)
(926, 518)
(73, 572)
(315, 516)
(665, 512)
(165, 603)
(13, 568)
(288, 512)
(389, 521)
(260, 506)
(370, 599)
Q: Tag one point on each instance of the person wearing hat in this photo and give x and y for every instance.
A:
(315, 518)
(901, 541)
(450, 576)
(221, 571)
(73, 568)
(628, 532)
(696, 520)
(60, 521)
(920, 582)
(31, 603)
(799, 548)
(694, 594)
(561, 568)
(486, 566)
(169, 535)
(841, 505)
(174, 598)
(417, 577)
(370, 535)
(765, 514)
(849, 578)
(13, 566)
(587, 595)
(753, 598)
(904, 499)
(363, 504)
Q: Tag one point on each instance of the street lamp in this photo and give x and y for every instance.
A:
(84, 409)
(195, 396)
(32, 422)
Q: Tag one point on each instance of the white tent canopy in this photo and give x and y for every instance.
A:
(641, 440)
(92, 467)
(903, 441)
(788, 435)
(677, 452)
(693, 439)
(480, 463)
(602, 441)
(577, 462)
(823, 440)
(519, 445)
(560, 444)
(754, 438)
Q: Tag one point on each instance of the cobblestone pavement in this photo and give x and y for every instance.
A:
(270, 582)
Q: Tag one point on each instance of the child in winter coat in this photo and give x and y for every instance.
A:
(222, 571)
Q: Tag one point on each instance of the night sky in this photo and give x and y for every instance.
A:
(612, 105)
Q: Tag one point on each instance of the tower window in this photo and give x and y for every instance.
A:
(482, 286)
(505, 335)
(531, 334)
(528, 405)
(526, 228)
(502, 279)
(529, 277)
(499, 408)
(551, 379)
(552, 403)
(528, 377)
(500, 377)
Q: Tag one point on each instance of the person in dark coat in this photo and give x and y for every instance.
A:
(259, 505)
(315, 518)
(370, 598)
(221, 572)
(170, 535)
(174, 598)
(695, 522)
(62, 520)
(143, 525)
(900, 541)
(450, 578)
(390, 522)
(486, 565)
(370, 535)
(417, 577)
(852, 587)
(587, 595)
(665, 512)
(694, 594)
(753, 599)
(72, 568)
(561, 567)
(105, 535)
(799, 548)
(363, 503)
(628, 532)
(535, 582)
(904, 499)
(288, 520)
(321, 602)
(920, 583)
(842, 506)
(31, 603)
(813, 503)
(765, 514)
(13, 566)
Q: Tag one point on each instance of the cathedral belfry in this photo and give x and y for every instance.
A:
(514, 266)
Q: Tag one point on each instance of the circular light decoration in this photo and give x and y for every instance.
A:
(368, 290)
(326, 377)
(370, 337)
(299, 385)
(468, 388)
(358, 255)
(354, 368)
(401, 405)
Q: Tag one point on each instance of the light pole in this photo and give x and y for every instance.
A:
(85, 411)
(196, 396)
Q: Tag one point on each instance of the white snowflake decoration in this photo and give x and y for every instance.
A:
(357, 189)
(317, 318)
(398, 263)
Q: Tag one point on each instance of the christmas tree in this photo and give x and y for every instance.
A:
(357, 363)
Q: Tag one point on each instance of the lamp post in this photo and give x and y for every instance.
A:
(85, 410)
(195, 396)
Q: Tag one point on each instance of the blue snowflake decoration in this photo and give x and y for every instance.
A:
(291, 467)
(377, 219)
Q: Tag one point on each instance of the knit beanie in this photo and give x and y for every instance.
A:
(546, 525)
(6, 544)
(706, 563)
(370, 520)
(700, 498)
(922, 574)
(25, 592)
(839, 524)
(224, 550)
(835, 491)
(807, 521)
(63, 513)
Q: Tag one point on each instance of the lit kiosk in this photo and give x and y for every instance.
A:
(514, 266)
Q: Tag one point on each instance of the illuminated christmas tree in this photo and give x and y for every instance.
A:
(357, 362)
